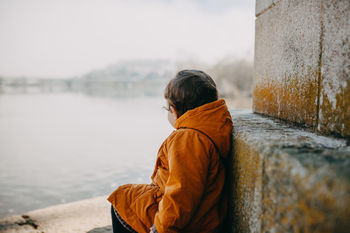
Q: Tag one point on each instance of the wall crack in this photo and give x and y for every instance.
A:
(319, 78)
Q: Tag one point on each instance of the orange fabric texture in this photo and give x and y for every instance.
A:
(186, 194)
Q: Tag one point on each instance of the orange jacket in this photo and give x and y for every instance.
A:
(186, 194)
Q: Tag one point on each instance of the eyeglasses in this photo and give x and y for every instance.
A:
(166, 108)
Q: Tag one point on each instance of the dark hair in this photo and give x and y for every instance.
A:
(190, 89)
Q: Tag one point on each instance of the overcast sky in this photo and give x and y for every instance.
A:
(61, 38)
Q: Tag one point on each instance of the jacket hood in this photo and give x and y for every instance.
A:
(212, 119)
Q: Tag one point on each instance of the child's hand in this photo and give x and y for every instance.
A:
(153, 229)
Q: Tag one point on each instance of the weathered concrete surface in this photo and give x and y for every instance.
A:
(92, 215)
(302, 63)
(263, 5)
(247, 167)
(287, 179)
(286, 69)
(306, 190)
(334, 112)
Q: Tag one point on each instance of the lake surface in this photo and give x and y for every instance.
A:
(57, 148)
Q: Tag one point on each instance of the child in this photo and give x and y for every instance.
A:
(187, 189)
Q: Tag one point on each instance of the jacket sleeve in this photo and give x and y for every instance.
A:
(188, 158)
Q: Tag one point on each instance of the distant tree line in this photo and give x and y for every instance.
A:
(233, 77)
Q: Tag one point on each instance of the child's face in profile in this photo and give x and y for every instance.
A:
(172, 115)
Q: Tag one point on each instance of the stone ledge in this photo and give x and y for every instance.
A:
(86, 216)
(287, 179)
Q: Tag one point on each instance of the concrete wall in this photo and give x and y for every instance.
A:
(302, 65)
(334, 113)
(284, 178)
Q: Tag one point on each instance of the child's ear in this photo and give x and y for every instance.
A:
(173, 110)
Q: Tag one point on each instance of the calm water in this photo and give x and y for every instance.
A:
(59, 148)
